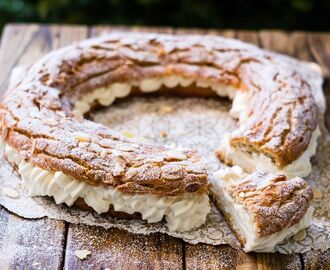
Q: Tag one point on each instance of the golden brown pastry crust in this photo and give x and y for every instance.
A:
(36, 117)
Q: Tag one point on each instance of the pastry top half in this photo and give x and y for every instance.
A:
(274, 202)
(38, 117)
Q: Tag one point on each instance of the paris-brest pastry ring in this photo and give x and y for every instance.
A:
(59, 153)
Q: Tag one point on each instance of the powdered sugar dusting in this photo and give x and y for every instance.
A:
(20, 233)
(193, 123)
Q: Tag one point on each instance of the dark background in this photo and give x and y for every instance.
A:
(236, 14)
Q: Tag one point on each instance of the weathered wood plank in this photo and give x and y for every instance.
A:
(204, 256)
(265, 260)
(319, 45)
(117, 249)
(247, 36)
(21, 36)
(315, 260)
(289, 43)
(31, 244)
(309, 47)
(101, 29)
(225, 257)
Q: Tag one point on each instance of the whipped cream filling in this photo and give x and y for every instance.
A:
(106, 96)
(244, 222)
(182, 213)
(257, 161)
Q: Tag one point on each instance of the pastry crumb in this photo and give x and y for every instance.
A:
(10, 192)
(300, 235)
(163, 134)
(166, 109)
(317, 194)
(82, 254)
(50, 121)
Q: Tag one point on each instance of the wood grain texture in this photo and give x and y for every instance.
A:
(319, 47)
(40, 244)
(116, 249)
(31, 244)
(315, 48)
(315, 260)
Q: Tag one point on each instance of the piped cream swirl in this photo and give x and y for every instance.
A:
(106, 96)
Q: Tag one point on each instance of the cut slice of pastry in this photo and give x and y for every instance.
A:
(263, 209)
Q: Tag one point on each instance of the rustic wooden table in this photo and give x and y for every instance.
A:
(50, 244)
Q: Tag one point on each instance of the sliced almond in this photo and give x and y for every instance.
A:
(166, 109)
(82, 254)
(173, 154)
(10, 192)
(82, 137)
(126, 147)
(50, 121)
(300, 235)
(317, 194)
(60, 113)
(103, 153)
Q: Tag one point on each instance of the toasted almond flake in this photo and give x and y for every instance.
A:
(10, 192)
(163, 134)
(125, 147)
(173, 154)
(60, 113)
(95, 140)
(103, 153)
(166, 109)
(50, 121)
(241, 194)
(299, 191)
(128, 134)
(317, 194)
(82, 137)
(300, 235)
(4, 133)
(250, 194)
(82, 254)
